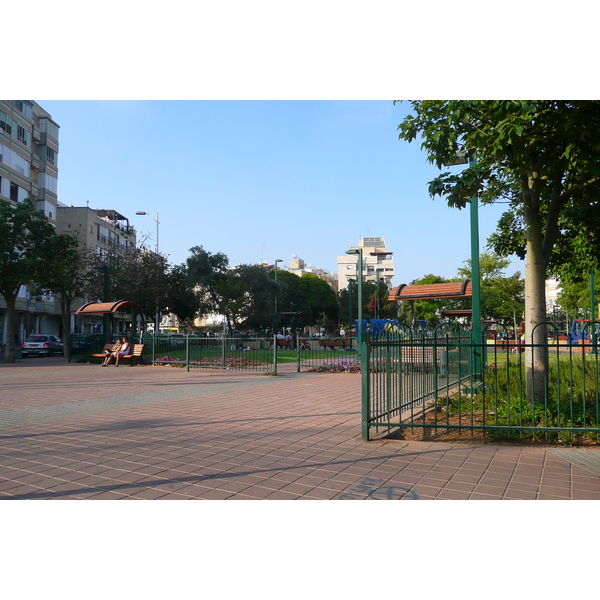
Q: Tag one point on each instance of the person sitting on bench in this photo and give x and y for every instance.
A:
(109, 354)
(125, 349)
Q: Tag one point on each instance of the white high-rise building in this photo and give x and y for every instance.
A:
(378, 263)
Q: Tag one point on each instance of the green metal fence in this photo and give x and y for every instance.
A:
(327, 355)
(429, 383)
(192, 352)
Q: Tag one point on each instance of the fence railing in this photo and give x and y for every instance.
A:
(547, 391)
(262, 354)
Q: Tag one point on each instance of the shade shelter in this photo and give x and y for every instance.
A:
(103, 308)
(431, 291)
(106, 309)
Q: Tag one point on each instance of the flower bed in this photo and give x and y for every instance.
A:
(341, 366)
(231, 362)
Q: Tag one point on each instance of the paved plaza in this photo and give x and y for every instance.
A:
(76, 431)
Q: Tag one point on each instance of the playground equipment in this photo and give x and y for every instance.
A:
(583, 329)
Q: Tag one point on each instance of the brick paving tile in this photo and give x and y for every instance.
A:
(447, 494)
(286, 476)
(478, 496)
(107, 495)
(492, 490)
(295, 489)
(214, 495)
(320, 494)
(20, 490)
(424, 491)
(519, 495)
(586, 495)
(311, 481)
(460, 487)
(281, 495)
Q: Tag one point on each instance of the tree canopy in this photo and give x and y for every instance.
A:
(26, 242)
(541, 158)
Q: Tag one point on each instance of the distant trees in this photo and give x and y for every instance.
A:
(502, 298)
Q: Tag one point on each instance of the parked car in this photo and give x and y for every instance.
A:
(42, 344)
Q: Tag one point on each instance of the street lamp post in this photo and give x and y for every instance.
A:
(157, 321)
(105, 298)
(475, 282)
(350, 282)
(464, 158)
(277, 260)
(359, 269)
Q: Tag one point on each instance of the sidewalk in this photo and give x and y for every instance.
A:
(73, 431)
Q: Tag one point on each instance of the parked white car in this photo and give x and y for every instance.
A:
(42, 344)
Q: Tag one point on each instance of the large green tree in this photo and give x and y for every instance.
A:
(26, 240)
(541, 157)
(140, 276)
(206, 272)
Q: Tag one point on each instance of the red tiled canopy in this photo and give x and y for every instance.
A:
(95, 308)
(431, 291)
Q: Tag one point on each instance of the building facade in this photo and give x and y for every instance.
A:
(299, 267)
(105, 231)
(29, 169)
(378, 263)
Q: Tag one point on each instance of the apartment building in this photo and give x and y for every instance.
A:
(29, 169)
(299, 267)
(378, 263)
(103, 230)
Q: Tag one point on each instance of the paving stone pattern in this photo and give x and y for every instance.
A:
(72, 431)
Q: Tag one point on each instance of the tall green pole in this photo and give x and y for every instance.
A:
(360, 298)
(350, 282)
(593, 310)
(105, 298)
(475, 284)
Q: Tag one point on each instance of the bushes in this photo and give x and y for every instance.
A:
(571, 401)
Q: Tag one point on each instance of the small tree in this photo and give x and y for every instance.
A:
(26, 242)
(67, 274)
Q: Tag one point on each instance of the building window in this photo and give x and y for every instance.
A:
(21, 134)
(23, 106)
(14, 192)
(6, 123)
(51, 155)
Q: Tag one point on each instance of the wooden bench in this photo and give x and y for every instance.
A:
(135, 353)
(417, 357)
(285, 344)
(333, 344)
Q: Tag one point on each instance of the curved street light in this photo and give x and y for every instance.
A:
(142, 212)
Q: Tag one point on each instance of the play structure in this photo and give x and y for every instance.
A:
(583, 329)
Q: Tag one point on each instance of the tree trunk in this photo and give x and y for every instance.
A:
(11, 330)
(536, 355)
(65, 313)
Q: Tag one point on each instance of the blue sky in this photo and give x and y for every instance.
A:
(263, 179)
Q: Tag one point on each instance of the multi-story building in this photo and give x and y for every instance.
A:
(299, 267)
(103, 230)
(378, 263)
(552, 291)
(29, 169)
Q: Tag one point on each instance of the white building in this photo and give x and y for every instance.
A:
(378, 263)
(299, 267)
